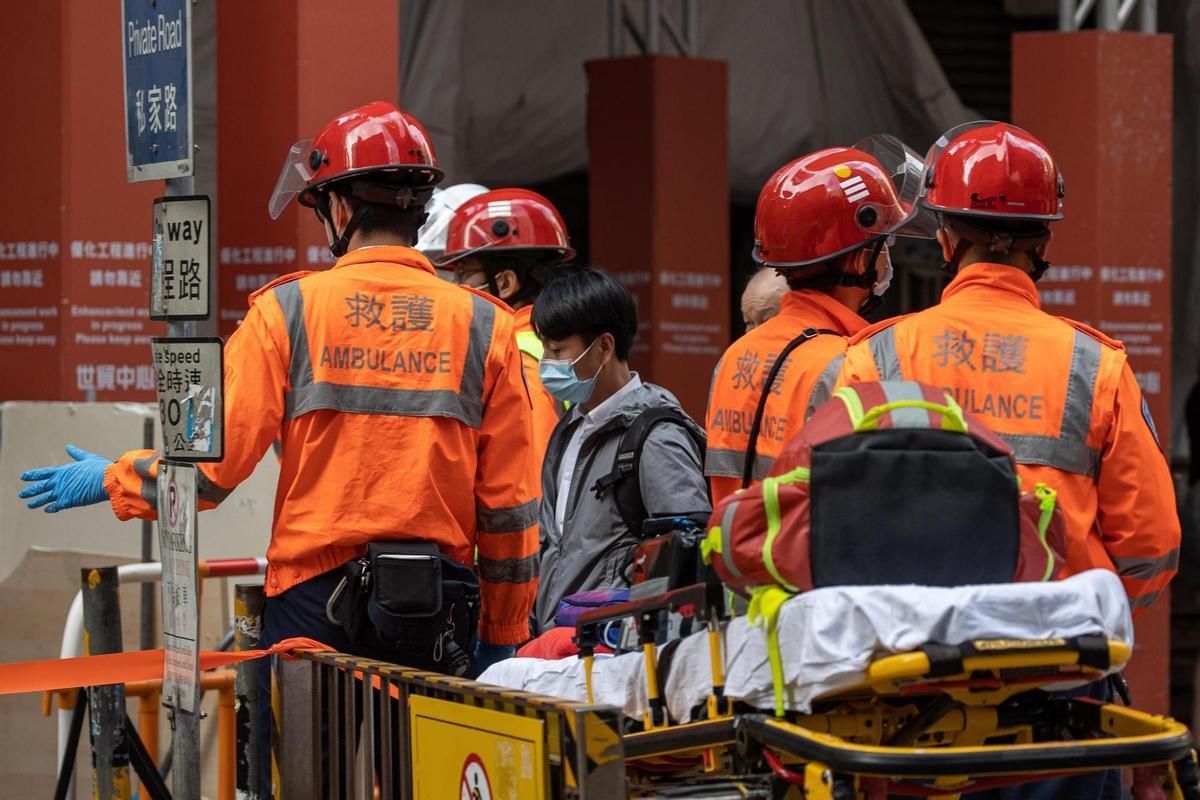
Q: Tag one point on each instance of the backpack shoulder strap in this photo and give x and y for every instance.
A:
(623, 479)
(767, 385)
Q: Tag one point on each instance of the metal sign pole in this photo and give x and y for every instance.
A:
(169, 56)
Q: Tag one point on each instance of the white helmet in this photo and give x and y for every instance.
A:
(431, 239)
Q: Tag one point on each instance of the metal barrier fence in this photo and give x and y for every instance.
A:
(346, 726)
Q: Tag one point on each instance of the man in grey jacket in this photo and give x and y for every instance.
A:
(587, 321)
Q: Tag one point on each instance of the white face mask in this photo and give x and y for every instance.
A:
(883, 265)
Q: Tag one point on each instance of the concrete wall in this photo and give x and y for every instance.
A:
(41, 556)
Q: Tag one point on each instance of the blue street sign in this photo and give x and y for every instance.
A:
(156, 36)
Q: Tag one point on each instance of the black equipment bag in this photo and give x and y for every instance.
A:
(410, 600)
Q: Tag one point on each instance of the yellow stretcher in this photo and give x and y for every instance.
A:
(938, 722)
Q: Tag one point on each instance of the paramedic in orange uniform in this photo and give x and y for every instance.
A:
(508, 242)
(1060, 393)
(823, 222)
(399, 399)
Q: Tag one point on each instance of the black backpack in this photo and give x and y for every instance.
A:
(623, 479)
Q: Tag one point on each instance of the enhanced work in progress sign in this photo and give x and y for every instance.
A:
(189, 375)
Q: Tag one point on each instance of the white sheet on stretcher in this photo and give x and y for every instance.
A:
(829, 636)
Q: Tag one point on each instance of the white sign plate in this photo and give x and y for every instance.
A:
(180, 595)
(189, 381)
(181, 258)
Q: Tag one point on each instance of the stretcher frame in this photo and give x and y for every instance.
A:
(923, 723)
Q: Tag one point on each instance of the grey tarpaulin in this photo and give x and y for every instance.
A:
(501, 85)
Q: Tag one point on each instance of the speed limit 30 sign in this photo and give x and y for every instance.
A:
(189, 381)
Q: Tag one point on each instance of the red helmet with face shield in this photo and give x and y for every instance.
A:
(837, 200)
(507, 220)
(384, 148)
(988, 169)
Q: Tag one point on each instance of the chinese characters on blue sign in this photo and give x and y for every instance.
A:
(156, 39)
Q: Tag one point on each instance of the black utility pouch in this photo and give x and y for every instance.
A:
(406, 588)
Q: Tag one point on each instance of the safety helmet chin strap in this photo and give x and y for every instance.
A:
(372, 195)
(999, 242)
(866, 280)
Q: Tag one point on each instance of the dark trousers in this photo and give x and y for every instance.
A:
(1105, 785)
(300, 611)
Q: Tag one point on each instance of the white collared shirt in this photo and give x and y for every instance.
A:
(591, 420)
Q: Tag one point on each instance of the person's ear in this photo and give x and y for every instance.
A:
(507, 284)
(1044, 247)
(857, 263)
(947, 240)
(607, 345)
(339, 212)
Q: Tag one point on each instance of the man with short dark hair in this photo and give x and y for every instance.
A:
(587, 322)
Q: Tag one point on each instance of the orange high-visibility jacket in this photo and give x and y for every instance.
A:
(546, 410)
(804, 382)
(403, 414)
(1063, 396)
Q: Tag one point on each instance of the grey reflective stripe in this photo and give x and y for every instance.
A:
(1052, 451)
(1146, 568)
(382, 400)
(208, 490)
(508, 570)
(727, 539)
(897, 391)
(1069, 450)
(883, 350)
(730, 463)
(300, 370)
(1145, 600)
(307, 395)
(483, 316)
(1081, 385)
(149, 489)
(823, 388)
(506, 520)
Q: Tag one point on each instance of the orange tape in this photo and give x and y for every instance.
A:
(55, 674)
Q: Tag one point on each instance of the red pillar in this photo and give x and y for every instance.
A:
(659, 209)
(318, 65)
(1101, 101)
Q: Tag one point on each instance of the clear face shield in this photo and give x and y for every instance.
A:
(294, 176)
(907, 171)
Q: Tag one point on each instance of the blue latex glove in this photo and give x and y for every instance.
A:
(487, 654)
(76, 483)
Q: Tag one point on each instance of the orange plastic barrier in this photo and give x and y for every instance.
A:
(143, 665)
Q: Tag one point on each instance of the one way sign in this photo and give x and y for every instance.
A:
(181, 258)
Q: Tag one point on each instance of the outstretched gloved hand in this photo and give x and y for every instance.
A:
(76, 483)
(487, 654)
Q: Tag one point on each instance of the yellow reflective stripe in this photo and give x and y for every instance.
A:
(1047, 498)
(529, 344)
(795, 475)
(853, 403)
(952, 418)
(771, 506)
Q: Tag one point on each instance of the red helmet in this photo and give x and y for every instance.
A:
(376, 140)
(506, 220)
(837, 200)
(992, 169)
